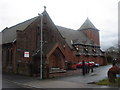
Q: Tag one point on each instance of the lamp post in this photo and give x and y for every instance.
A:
(41, 48)
(41, 45)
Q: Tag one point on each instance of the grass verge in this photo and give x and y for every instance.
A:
(106, 82)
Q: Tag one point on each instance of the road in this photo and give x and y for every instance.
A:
(76, 81)
(7, 84)
(98, 74)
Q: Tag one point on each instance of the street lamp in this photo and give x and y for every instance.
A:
(41, 44)
(41, 49)
(41, 40)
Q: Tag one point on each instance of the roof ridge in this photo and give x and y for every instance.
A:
(19, 23)
(66, 28)
(11, 32)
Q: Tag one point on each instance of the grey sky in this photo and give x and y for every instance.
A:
(67, 13)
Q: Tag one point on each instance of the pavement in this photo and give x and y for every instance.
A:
(76, 81)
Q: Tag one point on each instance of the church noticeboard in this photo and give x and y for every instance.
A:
(26, 54)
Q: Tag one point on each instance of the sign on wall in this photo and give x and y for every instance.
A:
(26, 54)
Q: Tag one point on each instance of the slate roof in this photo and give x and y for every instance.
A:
(70, 35)
(77, 37)
(87, 25)
(9, 34)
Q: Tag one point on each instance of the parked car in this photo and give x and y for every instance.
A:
(97, 65)
(79, 65)
(91, 63)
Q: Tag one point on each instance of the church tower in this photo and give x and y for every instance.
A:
(91, 31)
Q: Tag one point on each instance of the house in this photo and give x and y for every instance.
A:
(21, 46)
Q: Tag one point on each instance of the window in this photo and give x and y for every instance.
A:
(94, 50)
(86, 49)
(77, 47)
(9, 57)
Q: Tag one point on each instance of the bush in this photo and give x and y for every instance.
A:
(109, 58)
(117, 80)
(112, 72)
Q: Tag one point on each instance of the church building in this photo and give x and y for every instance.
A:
(22, 45)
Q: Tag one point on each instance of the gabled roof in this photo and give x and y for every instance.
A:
(49, 48)
(87, 25)
(77, 37)
(9, 34)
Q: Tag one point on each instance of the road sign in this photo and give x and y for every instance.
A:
(26, 54)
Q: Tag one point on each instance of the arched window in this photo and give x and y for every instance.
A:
(9, 56)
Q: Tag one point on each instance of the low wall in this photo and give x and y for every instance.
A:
(67, 73)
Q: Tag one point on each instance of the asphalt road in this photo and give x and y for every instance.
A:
(6, 85)
(69, 81)
(98, 74)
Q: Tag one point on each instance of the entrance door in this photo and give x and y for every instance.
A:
(36, 66)
(56, 60)
(53, 61)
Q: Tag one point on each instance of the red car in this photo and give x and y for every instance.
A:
(79, 65)
(91, 64)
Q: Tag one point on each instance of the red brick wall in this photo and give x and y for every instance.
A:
(93, 35)
(11, 49)
(51, 33)
(29, 38)
(26, 41)
(4, 57)
(97, 59)
(70, 56)
(14, 57)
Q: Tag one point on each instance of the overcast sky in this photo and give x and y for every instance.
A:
(67, 13)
